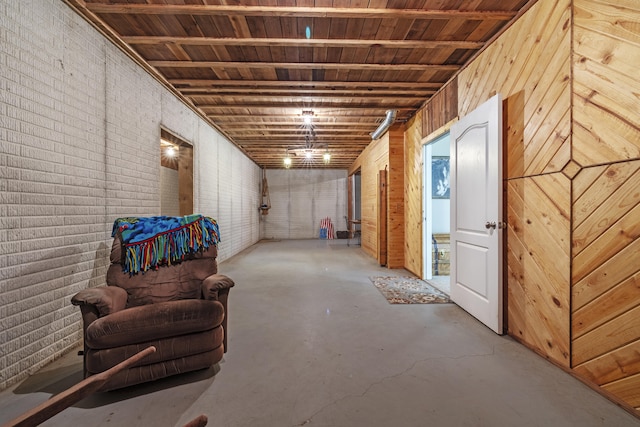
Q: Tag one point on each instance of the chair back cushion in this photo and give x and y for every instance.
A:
(166, 283)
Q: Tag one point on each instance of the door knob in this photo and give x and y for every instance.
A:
(489, 225)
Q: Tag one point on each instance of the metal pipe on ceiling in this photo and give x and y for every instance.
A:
(388, 121)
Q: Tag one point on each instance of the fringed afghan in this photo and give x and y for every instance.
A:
(149, 242)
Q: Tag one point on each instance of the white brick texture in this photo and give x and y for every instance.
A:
(79, 147)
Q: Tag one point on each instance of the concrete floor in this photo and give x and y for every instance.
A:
(312, 342)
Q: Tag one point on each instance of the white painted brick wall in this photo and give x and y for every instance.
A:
(79, 147)
(300, 198)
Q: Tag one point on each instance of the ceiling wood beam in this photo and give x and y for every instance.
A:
(318, 118)
(338, 93)
(335, 163)
(296, 127)
(266, 139)
(304, 65)
(276, 133)
(328, 97)
(343, 146)
(319, 92)
(292, 105)
(256, 84)
(281, 42)
(298, 12)
(326, 140)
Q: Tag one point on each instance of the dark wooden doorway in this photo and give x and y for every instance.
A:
(382, 217)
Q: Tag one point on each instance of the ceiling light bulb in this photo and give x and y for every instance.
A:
(307, 116)
(326, 157)
(170, 151)
(308, 154)
(287, 162)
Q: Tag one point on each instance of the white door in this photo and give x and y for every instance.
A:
(476, 213)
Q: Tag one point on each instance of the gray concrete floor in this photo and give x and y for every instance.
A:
(313, 343)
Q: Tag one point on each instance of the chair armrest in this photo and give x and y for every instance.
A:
(106, 299)
(214, 285)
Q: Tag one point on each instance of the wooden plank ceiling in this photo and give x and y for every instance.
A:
(255, 68)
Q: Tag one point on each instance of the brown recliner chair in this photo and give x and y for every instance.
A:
(180, 309)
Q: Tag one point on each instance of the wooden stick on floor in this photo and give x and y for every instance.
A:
(200, 421)
(84, 388)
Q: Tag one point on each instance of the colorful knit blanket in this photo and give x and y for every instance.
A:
(149, 242)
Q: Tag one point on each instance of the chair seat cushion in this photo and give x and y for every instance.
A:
(99, 360)
(154, 321)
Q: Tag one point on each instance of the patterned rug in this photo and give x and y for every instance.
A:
(408, 290)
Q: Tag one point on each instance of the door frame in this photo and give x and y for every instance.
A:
(354, 202)
(183, 164)
(427, 209)
(426, 169)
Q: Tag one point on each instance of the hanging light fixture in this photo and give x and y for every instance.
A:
(326, 157)
(287, 160)
(307, 116)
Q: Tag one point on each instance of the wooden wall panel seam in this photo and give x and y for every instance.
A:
(618, 204)
(584, 180)
(607, 245)
(606, 276)
(621, 298)
(596, 185)
(545, 150)
(611, 366)
(616, 333)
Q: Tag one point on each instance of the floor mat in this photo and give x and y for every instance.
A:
(408, 290)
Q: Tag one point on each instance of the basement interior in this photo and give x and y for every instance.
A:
(344, 213)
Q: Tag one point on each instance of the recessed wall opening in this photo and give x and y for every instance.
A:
(176, 175)
(353, 220)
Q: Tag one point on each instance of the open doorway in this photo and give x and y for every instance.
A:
(176, 175)
(353, 219)
(436, 212)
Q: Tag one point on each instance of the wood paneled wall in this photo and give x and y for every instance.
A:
(395, 199)
(537, 258)
(606, 201)
(567, 71)
(372, 160)
(387, 153)
(530, 66)
(606, 278)
(413, 196)
(441, 108)
(606, 101)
